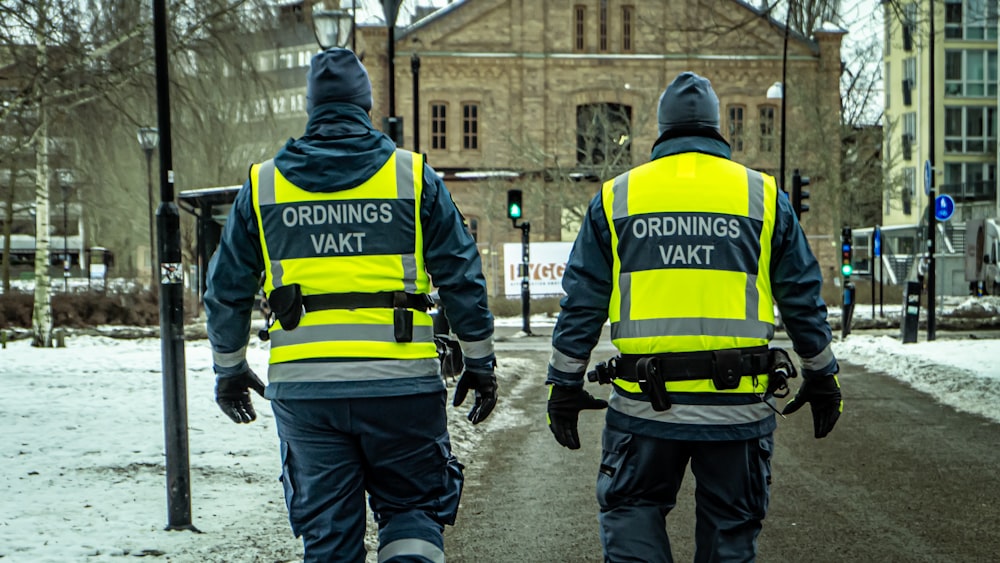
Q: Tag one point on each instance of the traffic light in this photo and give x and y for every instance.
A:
(514, 208)
(846, 251)
(798, 194)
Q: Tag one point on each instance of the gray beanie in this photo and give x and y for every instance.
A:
(688, 105)
(336, 75)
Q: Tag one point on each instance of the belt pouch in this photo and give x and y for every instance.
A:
(286, 304)
(402, 325)
(728, 369)
(652, 383)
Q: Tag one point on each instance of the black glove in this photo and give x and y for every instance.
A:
(823, 395)
(484, 382)
(565, 404)
(232, 393)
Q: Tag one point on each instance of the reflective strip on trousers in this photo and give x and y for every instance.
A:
(411, 546)
(373, 370)
(708, 415)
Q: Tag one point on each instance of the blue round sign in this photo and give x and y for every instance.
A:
(944, 207)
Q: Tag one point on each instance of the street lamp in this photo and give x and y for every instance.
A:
(149, 137)
(333, 27)
(393, 125)
(776, 91)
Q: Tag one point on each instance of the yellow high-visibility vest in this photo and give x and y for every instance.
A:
(691, 235)
(367, 239)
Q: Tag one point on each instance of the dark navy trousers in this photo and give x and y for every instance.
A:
(637, 487)
(396, 449)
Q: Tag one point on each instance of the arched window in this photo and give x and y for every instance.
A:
(604, 135)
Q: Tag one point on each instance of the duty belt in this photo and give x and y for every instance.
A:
(383, 300)
(723, 367)
(287, 305)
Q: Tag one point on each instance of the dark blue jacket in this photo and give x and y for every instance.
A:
(340, 150)
(796, 281)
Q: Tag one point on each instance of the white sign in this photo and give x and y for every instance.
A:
(546, 264)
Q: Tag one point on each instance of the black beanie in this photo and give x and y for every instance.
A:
(336, 75)
(688, 104)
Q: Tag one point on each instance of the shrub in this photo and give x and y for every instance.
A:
(132, 307)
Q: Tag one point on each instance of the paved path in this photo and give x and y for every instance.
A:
(901, 478)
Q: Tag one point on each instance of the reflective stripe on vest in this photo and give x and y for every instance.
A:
(365, 239)
(691, 238)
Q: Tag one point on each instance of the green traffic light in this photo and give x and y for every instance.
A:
(846, 269)
(514, 212)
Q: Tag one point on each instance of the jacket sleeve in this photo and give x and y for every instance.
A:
(796, 283)
(233, 280)
(588, 286)
(453, 262)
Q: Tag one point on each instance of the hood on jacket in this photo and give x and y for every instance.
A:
(339, 150)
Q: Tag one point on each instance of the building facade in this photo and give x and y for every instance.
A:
(957, 134)
(554, 97)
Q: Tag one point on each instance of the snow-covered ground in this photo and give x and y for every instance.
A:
(81, 445)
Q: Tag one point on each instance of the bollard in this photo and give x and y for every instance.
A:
(3, 339)
(60, 335)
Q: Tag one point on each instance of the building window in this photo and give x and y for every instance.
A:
(970, 73)
(602, 26)
(767, 128)
(909, 185)
(970, 19)
(628, 17)
(909, 79)
(970, 180)
(735, 127)
(909, 134)
(970, 130)
(470, 126)
(604, 136)
(579, 28)
(439, 126)
(472, 223)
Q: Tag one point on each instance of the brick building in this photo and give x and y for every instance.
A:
(552, 97)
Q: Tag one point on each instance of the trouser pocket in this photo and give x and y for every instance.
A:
(612, 477)
(759, 459)
(288, 484)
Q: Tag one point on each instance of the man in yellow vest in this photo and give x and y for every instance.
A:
(347, 233)
(685, 256)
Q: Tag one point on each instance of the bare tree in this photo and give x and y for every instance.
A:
(75, 61)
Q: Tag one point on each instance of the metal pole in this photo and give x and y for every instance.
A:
(65, 192)
(784, 97)
(415, 69)
(931, 218)
(525, 280)
(171, 300)
(354, 26)
(149, 211)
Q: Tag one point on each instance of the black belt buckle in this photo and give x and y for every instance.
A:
(402, 325)
(727, 369)
(652, 383)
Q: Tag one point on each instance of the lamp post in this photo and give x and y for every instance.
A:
(777, 90)
(149, 137)
(168, 225)
(65, 194)
(393, 124)
(333, 27)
